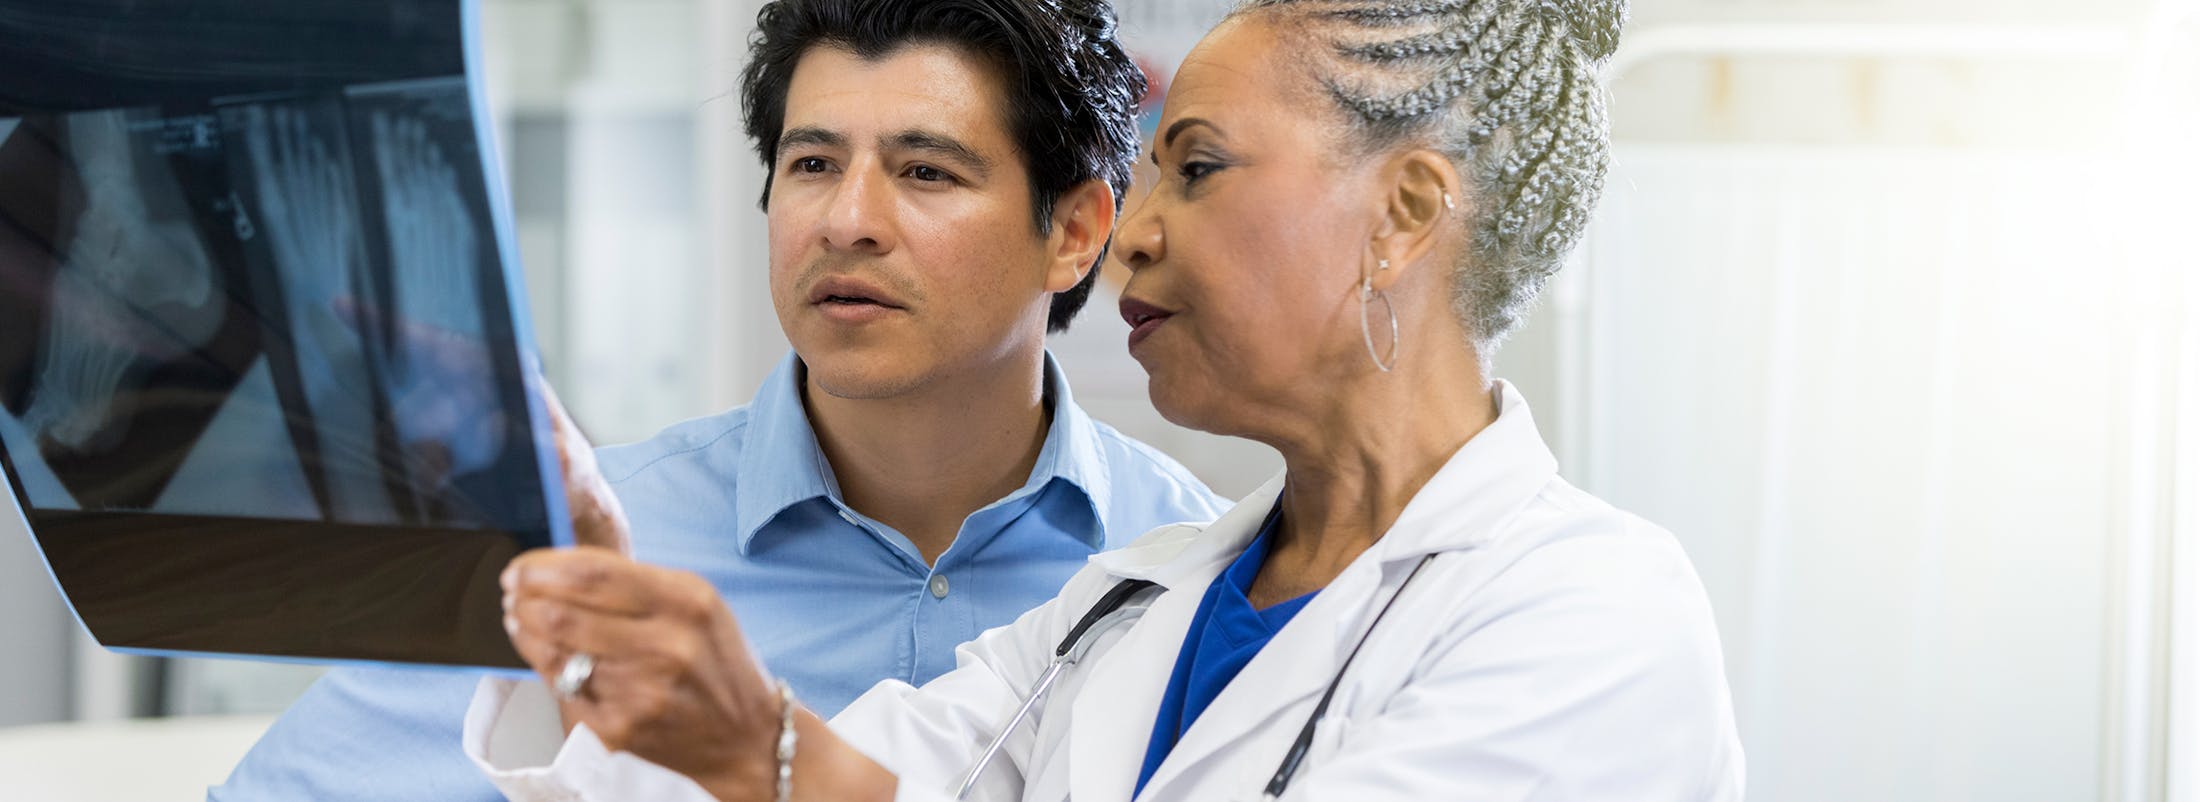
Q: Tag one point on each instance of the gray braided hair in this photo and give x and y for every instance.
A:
(1509, 90)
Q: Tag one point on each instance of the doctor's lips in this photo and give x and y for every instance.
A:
(1143, 317)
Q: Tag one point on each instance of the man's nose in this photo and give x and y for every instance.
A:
(860, 216)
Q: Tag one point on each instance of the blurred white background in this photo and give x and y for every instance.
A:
(1889, 313)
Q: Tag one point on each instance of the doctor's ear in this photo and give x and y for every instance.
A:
(1083, 219)
(1421, 199)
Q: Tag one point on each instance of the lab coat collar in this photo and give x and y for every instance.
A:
(1465, 505)
(1469, 500)
(1190, 552)
(781, 464)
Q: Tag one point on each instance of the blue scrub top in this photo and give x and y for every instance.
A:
(1225, 634)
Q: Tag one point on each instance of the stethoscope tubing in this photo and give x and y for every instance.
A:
(1108, 613)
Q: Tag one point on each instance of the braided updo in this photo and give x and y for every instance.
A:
(1508, 89)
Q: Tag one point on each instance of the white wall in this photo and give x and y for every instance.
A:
(1877, 319)
(1878, 395)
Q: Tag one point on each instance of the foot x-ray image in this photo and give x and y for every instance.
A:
(214, 318)
(262, 368)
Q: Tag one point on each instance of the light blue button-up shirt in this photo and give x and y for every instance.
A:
(832, 600)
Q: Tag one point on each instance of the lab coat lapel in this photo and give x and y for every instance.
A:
(1284, 677)
(1112, 715)
(1463, 506)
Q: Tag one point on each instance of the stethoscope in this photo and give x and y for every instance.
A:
(1111, 612)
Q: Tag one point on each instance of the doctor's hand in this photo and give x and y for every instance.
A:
(674, 681)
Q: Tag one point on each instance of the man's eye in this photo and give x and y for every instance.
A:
(928, 173)
(809, 164)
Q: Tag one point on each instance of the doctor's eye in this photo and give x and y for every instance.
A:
(809, 164)
(1192, 171)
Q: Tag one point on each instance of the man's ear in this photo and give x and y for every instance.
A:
(1422, 196)
(1084, 217)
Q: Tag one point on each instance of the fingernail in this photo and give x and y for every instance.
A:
(511, 626)
(509, 578)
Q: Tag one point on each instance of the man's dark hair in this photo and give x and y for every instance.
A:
(1073, 94)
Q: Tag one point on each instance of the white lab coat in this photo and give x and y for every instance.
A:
(1556, 649)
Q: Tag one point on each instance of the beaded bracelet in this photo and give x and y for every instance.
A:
(785, 751)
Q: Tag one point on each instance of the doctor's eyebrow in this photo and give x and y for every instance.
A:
(809, 135)
(940, 145)
(1180, 126)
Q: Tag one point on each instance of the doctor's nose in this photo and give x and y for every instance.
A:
(1138, 240)
(859, 216)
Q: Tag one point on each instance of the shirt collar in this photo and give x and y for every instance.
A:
(781, 464)
(1072, 453)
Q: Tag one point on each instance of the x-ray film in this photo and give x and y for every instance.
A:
(262, 355)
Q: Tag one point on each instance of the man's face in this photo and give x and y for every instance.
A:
(903, 251)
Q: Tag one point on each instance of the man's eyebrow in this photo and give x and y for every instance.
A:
(810, 135)
(941, 144)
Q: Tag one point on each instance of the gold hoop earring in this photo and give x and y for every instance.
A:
(1367, 336)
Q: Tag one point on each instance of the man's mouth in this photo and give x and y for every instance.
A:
(851, 292)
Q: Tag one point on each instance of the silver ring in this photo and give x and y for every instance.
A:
(573, 676)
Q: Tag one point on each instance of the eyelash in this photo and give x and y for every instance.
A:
(1192, 171)
(944, 175)
(804, 165)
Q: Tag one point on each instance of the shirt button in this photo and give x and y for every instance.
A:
(939, 586)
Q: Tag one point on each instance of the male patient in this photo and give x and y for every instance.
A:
(943, 179)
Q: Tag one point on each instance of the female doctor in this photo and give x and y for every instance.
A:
(1360, 200)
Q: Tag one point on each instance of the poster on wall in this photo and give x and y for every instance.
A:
(1158, 34)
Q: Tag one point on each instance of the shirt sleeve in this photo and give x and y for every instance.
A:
(514, 736)
(928, 737)
(365, 733)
